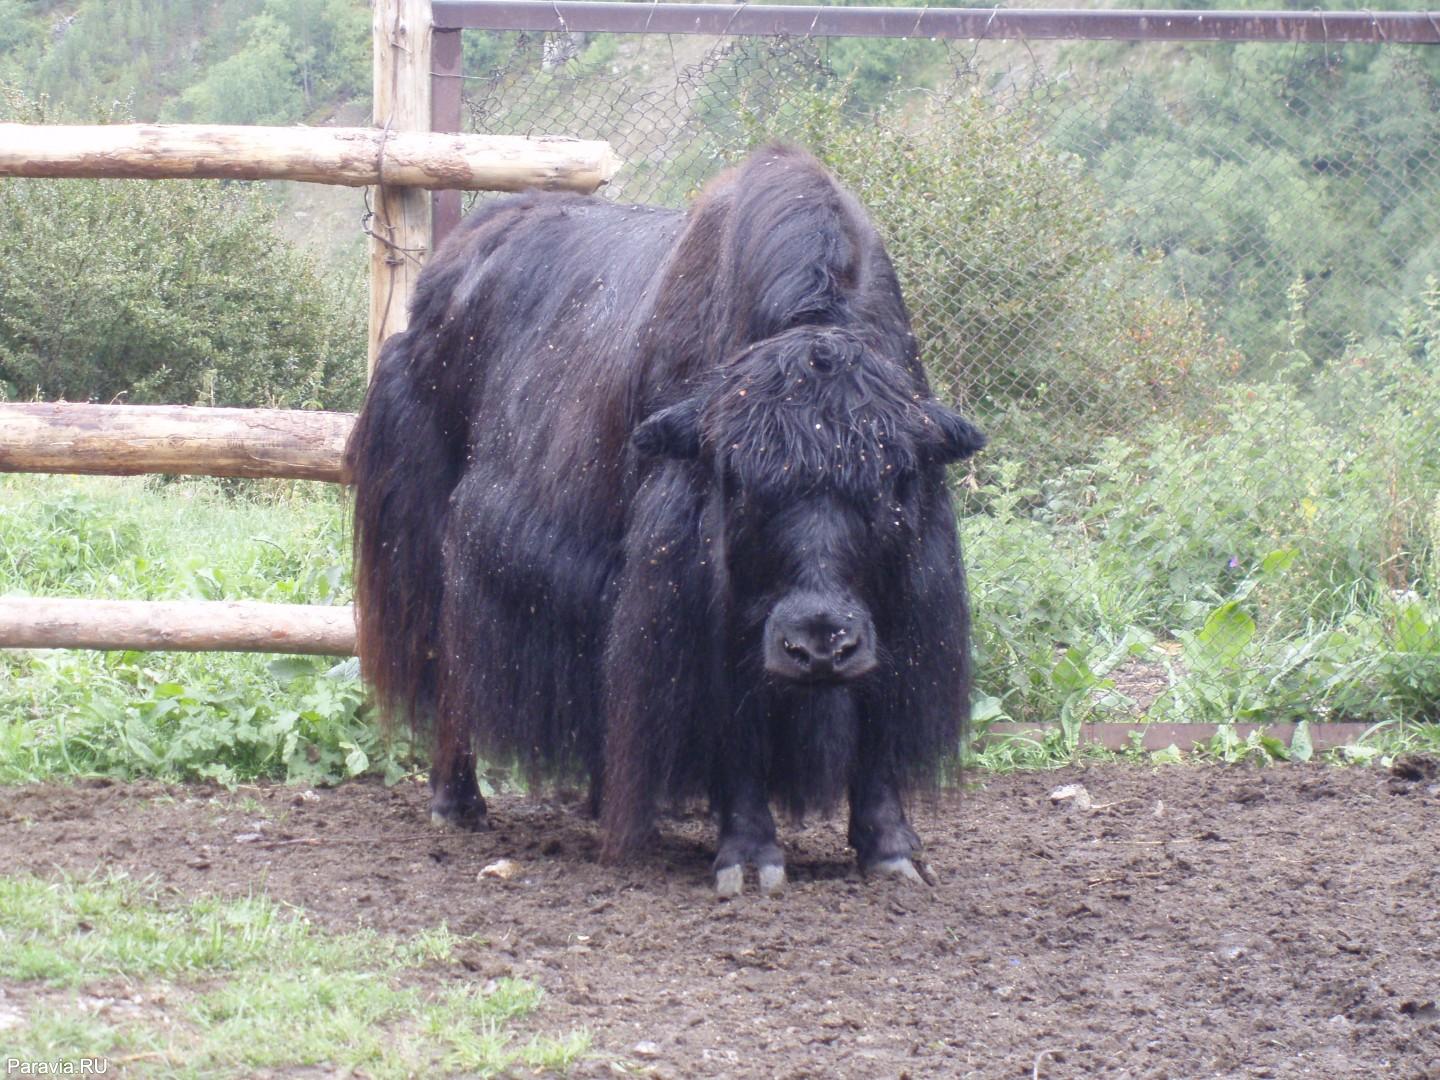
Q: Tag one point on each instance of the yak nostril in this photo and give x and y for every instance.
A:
(817, 643)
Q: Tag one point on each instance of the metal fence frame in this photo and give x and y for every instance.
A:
(451, 17)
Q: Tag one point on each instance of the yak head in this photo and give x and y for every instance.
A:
(822, 458)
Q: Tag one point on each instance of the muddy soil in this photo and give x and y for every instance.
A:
(1194, 922)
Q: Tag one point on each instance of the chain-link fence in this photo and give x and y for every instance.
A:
(1191, 292)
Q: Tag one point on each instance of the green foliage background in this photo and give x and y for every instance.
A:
(231, 61)
(1190, 292)
(176, 292)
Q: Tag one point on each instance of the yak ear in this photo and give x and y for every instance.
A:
(671, 432)
(951, 437)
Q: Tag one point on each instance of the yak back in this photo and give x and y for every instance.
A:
(563, 321)
(769, 246)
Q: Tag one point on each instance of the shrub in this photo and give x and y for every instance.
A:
(1025, 315)
(167, 291)
(1278, 561)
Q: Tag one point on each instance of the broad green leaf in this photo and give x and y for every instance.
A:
(134, 736)
(1072, 674)
(356, 760)
(1301, 748)
(1274, 747)
(986, 708)
(1224, 636)
(1279, 560)
(1225, 742)
(1413, 633)
(287, 668)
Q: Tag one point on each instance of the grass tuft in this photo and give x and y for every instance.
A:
(215, 987)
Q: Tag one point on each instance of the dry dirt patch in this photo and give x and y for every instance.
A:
(1195, 922)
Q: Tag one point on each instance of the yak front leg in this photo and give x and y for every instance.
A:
(883, 840)
(747, 833)
(455, 799)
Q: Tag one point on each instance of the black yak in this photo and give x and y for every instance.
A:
(658, 498)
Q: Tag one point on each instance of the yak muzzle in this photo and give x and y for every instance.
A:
(811, 639)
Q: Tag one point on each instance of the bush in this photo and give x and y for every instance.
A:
(220, 716)
(260, 84)
(1278, 561)
(1025, 315)
(167, 291)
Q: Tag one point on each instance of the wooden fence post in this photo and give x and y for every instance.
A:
(400, 227)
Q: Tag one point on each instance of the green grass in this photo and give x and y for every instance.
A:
(222, 716)
(222, 988)
(151, 539)
(1057, 748)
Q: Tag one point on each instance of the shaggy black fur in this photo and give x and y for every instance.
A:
(658, 499)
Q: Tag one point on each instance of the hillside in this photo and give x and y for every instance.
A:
(206, 61)
(219, 61)
(1319, 169)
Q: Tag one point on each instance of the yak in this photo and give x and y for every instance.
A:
(657, 498)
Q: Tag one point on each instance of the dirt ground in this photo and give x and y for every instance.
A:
(1194, 922)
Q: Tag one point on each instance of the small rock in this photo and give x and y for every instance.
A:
(504, 869)
(1230, 951)
(647, 1049)
(1232, 948)
(1074, 794)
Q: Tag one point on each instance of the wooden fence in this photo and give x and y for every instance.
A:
(403, 158)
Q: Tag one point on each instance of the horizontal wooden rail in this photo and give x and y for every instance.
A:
(984, 23)
(354, 157)
(125, 440)
(28, 622)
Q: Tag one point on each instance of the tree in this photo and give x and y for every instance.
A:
(260, 84)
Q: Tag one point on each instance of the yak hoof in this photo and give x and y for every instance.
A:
(901, 869)
(730, 881)
(466, 822)
(772, 880)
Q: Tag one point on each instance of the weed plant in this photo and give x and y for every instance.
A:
(219, 716)
(1273, 559)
